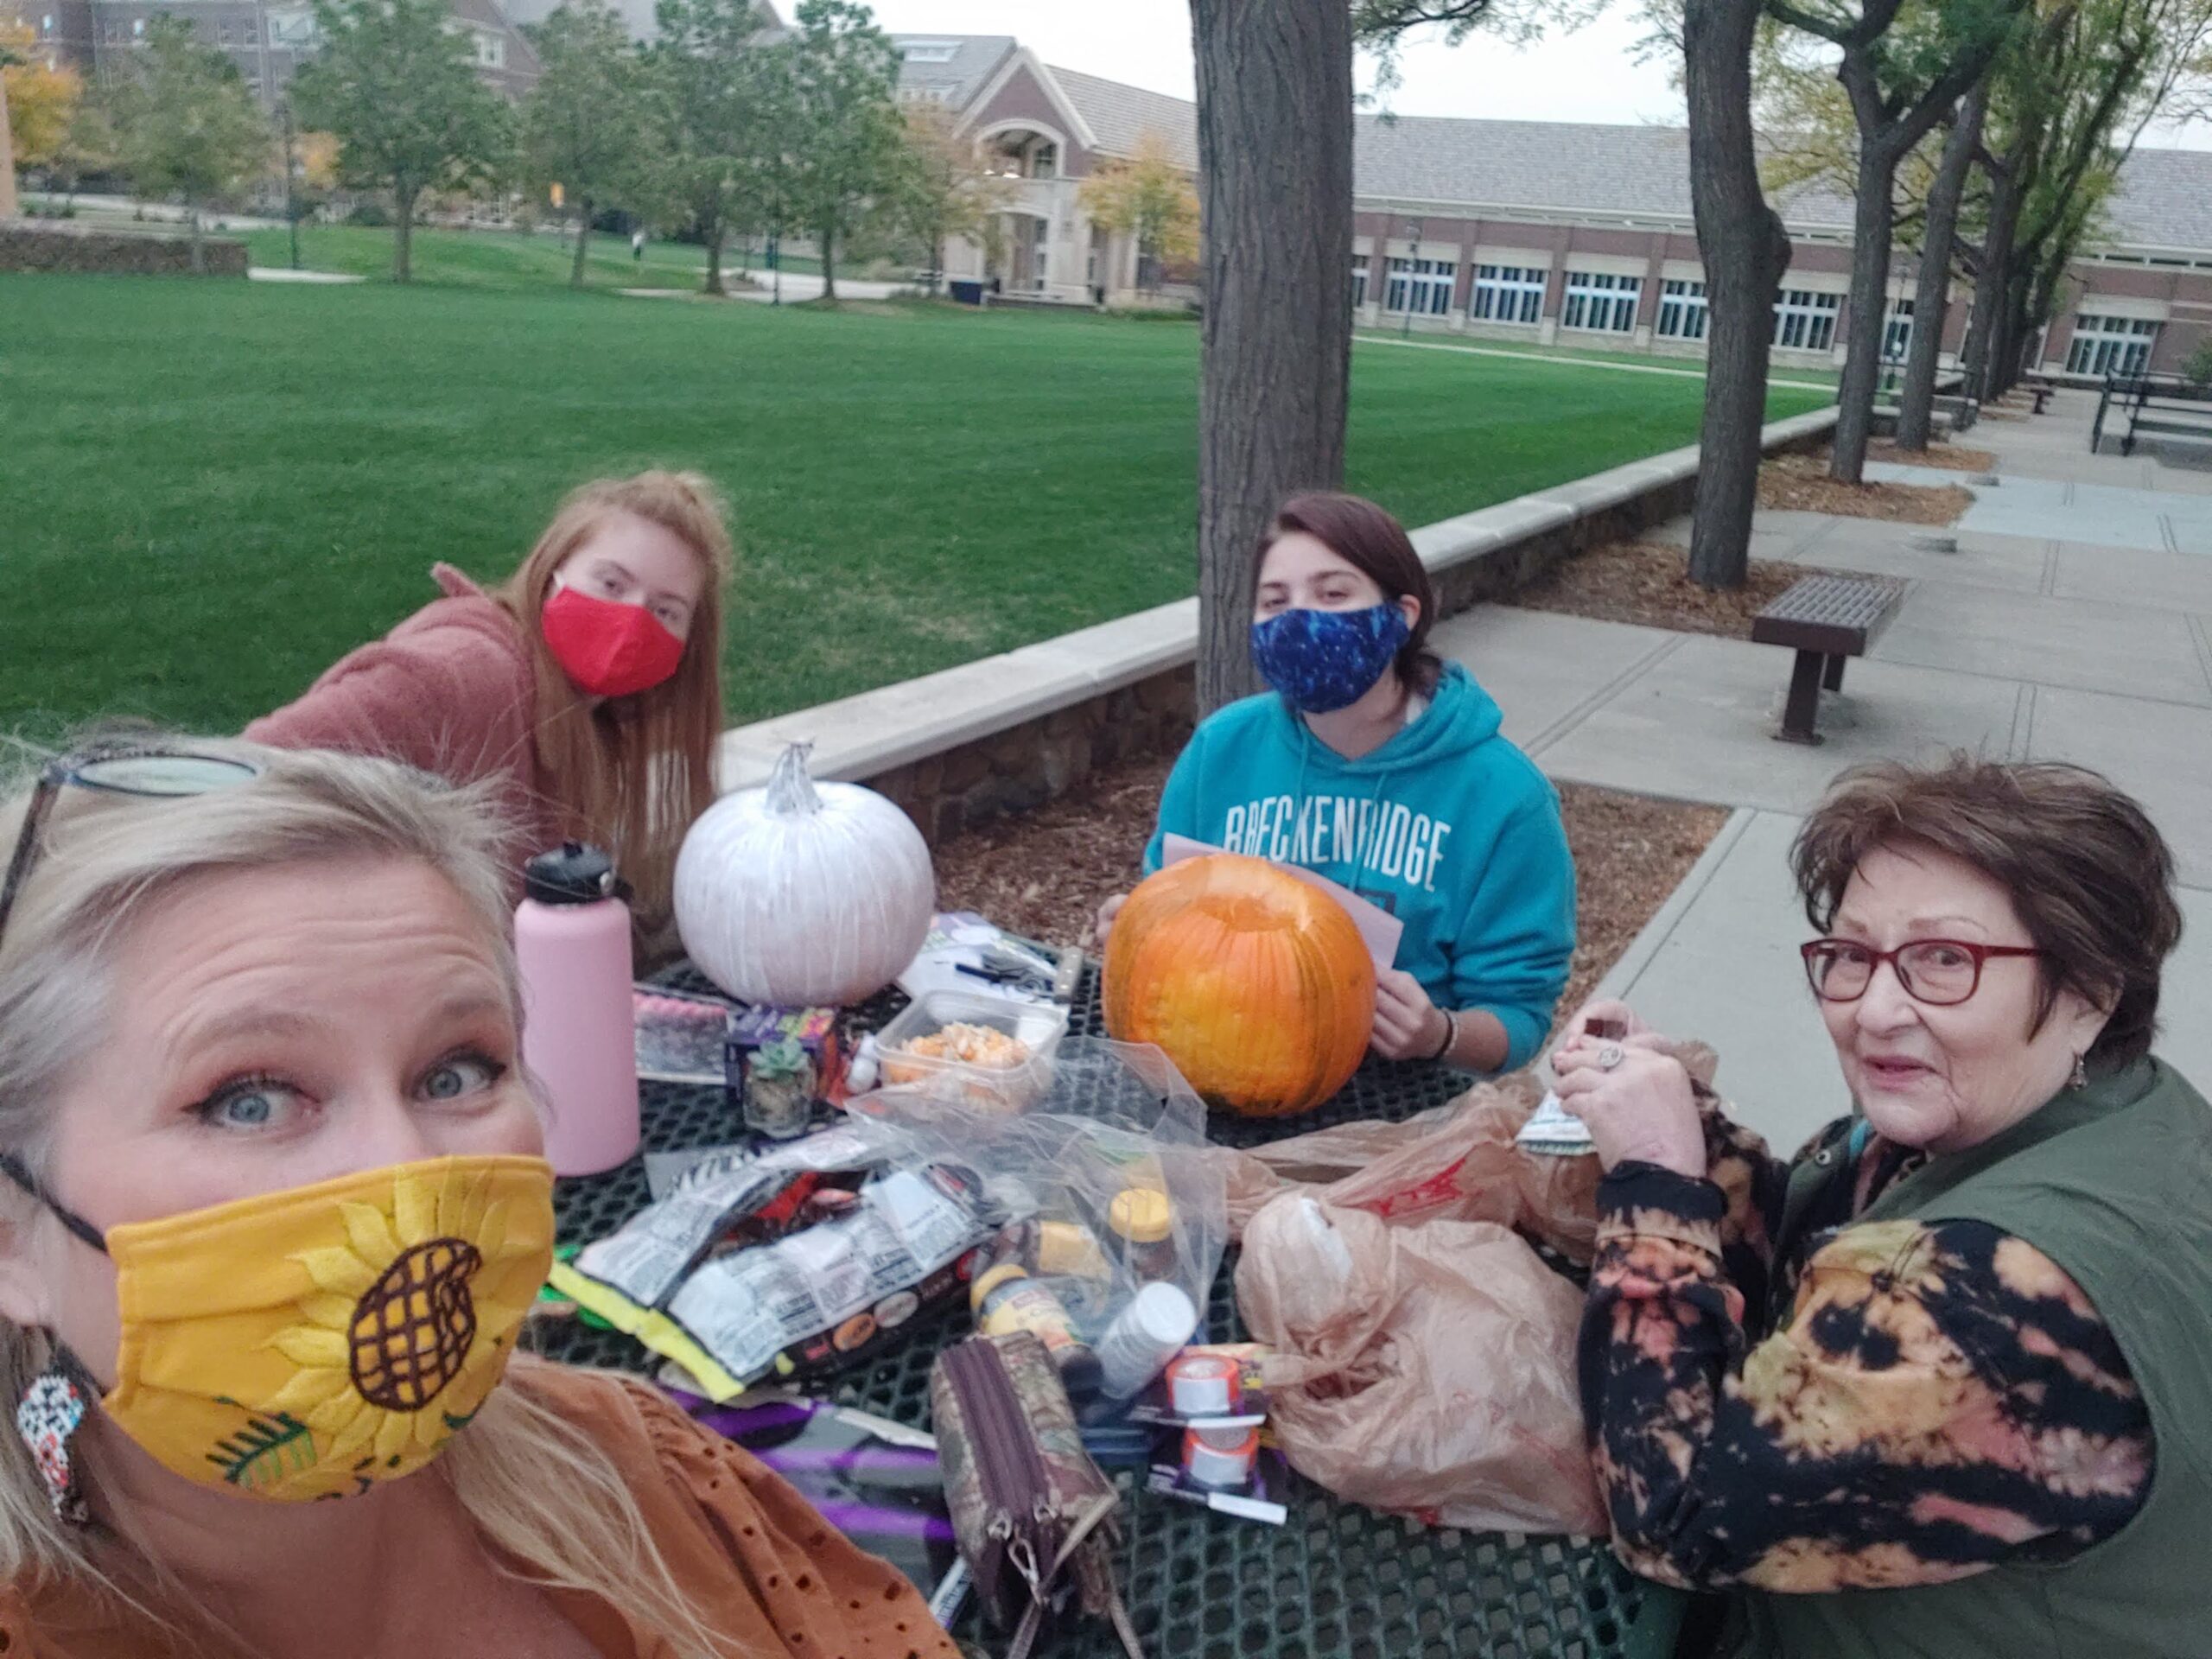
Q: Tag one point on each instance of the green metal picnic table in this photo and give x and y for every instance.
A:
(1336, 1581)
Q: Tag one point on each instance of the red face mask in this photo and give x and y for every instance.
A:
(607, 648)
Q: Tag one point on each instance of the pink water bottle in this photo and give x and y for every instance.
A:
(579, 1034)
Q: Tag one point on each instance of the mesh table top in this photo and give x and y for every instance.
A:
(1337, 1581)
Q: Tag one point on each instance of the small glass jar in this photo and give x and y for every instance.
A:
(1142, 1221)
(779, 1090)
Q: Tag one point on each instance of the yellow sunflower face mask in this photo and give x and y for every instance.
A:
(309, 1343)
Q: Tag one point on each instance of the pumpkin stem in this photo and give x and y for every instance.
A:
(790, 789)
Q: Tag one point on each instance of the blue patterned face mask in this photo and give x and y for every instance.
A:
(1322, 661)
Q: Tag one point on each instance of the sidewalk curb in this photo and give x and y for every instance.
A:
(1621, 977)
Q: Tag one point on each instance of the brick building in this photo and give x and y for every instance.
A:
(267, 39)
(1555, 232)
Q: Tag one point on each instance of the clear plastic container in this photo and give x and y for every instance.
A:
(1037, 1026)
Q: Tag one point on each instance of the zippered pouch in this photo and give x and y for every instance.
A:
(1035, 1519)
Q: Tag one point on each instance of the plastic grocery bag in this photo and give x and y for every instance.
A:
(1427, 1370)
(1456, 1161)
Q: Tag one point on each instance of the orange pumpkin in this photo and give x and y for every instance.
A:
(1255, 983)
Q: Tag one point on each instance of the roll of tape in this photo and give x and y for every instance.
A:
(1202, 1385)
(1220, 1456)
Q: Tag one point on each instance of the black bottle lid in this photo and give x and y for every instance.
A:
(572, 874)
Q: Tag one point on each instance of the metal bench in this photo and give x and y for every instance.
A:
(2158, 404)
(1824, 619)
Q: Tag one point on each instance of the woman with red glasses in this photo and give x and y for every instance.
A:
(1942, 1384)
(586, 687)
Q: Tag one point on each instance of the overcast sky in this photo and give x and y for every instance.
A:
(1589, 75)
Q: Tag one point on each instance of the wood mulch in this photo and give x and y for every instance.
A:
(1948, 456)
(1043, 874)
(1649, 583)
(1802, 484)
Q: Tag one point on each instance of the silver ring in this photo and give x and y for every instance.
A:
(1610, 1056)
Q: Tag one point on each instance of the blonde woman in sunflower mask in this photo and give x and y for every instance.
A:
(274, 1211)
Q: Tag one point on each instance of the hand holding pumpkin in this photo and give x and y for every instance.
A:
(1408, 1026)
(1108, 908)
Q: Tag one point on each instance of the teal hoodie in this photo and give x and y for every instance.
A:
(1447, 826)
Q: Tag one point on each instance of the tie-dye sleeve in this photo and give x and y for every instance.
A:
(1994, 1403)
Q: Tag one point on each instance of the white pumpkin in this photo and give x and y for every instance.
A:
(804, 894)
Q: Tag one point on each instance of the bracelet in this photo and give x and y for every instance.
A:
(1450, 1035)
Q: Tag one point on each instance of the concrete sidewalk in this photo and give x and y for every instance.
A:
(2091, 641)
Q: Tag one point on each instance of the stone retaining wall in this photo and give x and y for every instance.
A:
(59, 245)
(959, 748)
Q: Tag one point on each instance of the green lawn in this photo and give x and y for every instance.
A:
(510, 259)
(1825, 377)
(213, 489)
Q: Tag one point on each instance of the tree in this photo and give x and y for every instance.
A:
(947, 189)
(41, 99)
(1151, 197)
(1744, 249)
(582, 122)
(847, 137)
(186, 125)
(1931, 298)
(89, 147)
(1901, 80)
(718, 120)
(2060, 94)
(7, 61)
(394, 83)
(1275, 190)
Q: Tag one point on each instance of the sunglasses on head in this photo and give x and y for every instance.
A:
(152, 770)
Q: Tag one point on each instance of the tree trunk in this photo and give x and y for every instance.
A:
(402, 267)
(715, 235)
(1993, 283)
(1870, 282)
(937, 261)
(8, 205)
(828, 239)
(1274, 177)
(583, 242)
(1744, 249)
(1931, 298)
(198, 240)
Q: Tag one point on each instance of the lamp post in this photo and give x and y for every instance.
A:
(291, 170)
(1413, 259)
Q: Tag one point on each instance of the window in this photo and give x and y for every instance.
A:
(1600, 301)
(2110, 345)
(1804, 321)
(1359, 281)
(292, 28)
(1682, 309)
(137, 29)
(1046, 163)
(1896, 330)
(1421, 286)
(46, 24)
(929, 51)
(1508, 294)
(225, 35)
(491, 49)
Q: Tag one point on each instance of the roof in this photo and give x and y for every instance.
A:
(2163, 200)
(1118, 116)
(1568, 167)
(522, 56)
(975, 60)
